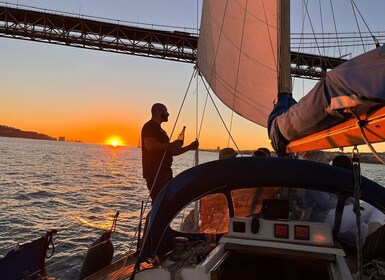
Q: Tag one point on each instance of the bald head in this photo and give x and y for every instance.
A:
(159, 113)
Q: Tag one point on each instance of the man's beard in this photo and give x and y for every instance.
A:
(164, 117)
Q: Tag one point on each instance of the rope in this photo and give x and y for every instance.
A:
(374, 268)
(172, 132)
(374, 38)
(220, 116)
(50, 241)
(358, 26)
(374, 152)
(237, 74)
(356, 207)
(156, 176)
(114, 222)
(335, 28)
(203, 115)
(41, 272)
(361, 124)
(188, 258)
(312, 27)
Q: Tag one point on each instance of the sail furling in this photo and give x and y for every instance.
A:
(237, 55)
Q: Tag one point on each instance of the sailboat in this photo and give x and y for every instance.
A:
(244, 55)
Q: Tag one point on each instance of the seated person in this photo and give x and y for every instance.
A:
(261, 152)
(371, 217)
(320, 206)
(317, 204)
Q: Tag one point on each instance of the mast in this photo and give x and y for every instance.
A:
(284, 68)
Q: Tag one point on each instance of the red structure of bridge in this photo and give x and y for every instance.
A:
(103, 35)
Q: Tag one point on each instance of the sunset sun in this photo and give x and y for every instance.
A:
(114, 141)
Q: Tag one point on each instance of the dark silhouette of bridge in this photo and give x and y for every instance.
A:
(103, 35)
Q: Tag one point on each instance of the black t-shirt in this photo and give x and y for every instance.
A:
(151, 160)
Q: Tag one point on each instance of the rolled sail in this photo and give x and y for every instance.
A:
(357, 84)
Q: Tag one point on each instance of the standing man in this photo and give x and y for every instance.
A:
(157, 150)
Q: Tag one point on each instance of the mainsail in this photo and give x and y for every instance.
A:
(237, 55)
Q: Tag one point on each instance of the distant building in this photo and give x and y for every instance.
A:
(62, 138)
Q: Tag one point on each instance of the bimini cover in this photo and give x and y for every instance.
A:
(247, 172)
(358, 83)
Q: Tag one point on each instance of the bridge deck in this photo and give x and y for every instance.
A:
(114, 37)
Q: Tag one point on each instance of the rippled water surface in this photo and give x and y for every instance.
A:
(77, 188)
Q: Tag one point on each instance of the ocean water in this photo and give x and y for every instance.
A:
(77, 189)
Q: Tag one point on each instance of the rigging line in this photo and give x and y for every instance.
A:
(275, 55)
(203, 114)
(220, 26)
(172, 132)
(356, 170)
(196, 158)
(301, 38)
(311, 26)
(243, 97)
(197, 29)
(335, 25)
(374, 37)
(331, 40)
(358, 26)
(231, 125)
(196, 73)
(361, 125)
(196, 153)
(306, 34)
(183, 101)
(196, 108)
(164, 154)
(334, 46)
(204, 108)
(219, 39)
(220, 116)
(322, 22)
(237, 74)
(375, 153)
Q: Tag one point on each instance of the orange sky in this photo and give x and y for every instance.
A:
(91, 95)
(107, 94)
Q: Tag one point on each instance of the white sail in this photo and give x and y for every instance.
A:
(237, 55)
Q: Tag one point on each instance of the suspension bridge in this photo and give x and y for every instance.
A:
(120, 37)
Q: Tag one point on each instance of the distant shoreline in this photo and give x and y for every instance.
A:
(7, 131)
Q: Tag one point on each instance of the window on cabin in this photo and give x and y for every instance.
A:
(210, 214)
(214, 214)
(249, 201)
